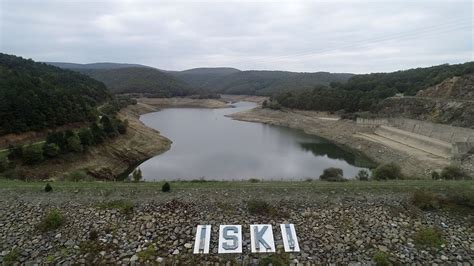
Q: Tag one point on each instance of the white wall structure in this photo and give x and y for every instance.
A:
(261, 238)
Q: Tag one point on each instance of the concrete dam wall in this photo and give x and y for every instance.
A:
(442, 140)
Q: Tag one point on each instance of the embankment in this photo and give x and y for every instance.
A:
(115, 156)
(414, 163)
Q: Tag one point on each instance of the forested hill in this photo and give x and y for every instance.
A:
(234, 81)
(364, 92)
(35, 95)
(140, 80)
(132, 78)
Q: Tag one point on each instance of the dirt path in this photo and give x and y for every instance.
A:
(414, 162)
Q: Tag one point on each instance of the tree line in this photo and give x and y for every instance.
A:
(64, 142)
(364, 92)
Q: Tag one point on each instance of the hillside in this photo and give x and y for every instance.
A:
(364, 92)
(131, 78)
(253, 82)
(139, 80)
(35, 96)
(203, 77)
(459, 87)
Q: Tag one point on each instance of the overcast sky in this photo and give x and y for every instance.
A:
(335, 36)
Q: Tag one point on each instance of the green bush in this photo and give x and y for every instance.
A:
(166, 187)
(11, 258)
(453, 172)
(74, 143)
(363, 175)
(4, 164)
(435, 175)
(51, 150)
(137, 175)
(51, 221)
(332, 174)
(260, 207)
(387, 171)
(48, 188)
(33, 154)
(425, 200)
(15, 152)
(429, 238)
(86, 137)
(254, 180)
(381, 258)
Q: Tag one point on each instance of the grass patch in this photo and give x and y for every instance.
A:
(11, 257)
(381, 258)
(124, 206)
(147, 254)
(429, 238)
(282, 259)
(427, 200)
(51, 221)
(261, 207)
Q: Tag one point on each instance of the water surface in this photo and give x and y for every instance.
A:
(206, 144)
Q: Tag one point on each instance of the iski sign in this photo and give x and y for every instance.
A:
(230, 238)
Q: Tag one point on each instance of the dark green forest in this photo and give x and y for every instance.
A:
(253, 82)
(139, 80)
(364, 92)
(35, 96)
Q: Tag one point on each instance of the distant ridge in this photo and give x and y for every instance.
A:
(104, 65)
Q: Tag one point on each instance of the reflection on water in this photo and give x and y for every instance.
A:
(206, 144)
(326, 148)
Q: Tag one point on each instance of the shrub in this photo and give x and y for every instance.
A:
(33, 154)
(435, 175)
(4, 164)
(147, 254)
(166, 187)
(381, 258)
(11, 258)
(363, 175)
(51, 150)
(332, 174)
(137, 175)
(86, 137)
(109, 126)
(254, 180)
(425, 200)
(387, 171)
(122, 126)
(15, 152)
(74, 143)
(48, 188)
(260, 207)
(51, 221)
(453, 172)
(429, 238)
(57, 138)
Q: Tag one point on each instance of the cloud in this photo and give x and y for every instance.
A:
(337, 36)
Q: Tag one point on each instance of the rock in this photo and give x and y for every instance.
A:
(175, 252)
(329, 227)
(443, 257)
(134, 258)
(188, 245)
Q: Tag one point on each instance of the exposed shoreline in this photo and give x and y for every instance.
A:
(344, 132)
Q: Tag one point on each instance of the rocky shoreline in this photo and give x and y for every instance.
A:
(146, 226)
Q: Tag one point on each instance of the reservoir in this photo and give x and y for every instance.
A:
(209, 145)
